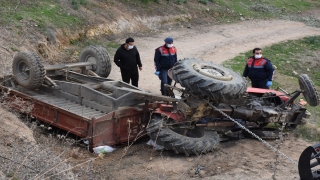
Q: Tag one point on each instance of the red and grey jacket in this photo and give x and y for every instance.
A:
(164, 57)
(258, 69)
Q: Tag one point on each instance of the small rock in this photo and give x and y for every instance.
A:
(295, 73)
(218, 170)
(308, 69)
(202, 173)
(189, 159)
(101, 155)
(74, 154)
(242, 18)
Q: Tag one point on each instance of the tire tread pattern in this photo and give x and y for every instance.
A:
(36, 73)
(103, 64)
(189, 78)
(310, 92)
(163, 135)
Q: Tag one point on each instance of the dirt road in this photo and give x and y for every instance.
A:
(215, 43)
(243, 159)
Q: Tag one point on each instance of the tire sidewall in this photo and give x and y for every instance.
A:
(216, 88)
(24, 57)
(102, 65)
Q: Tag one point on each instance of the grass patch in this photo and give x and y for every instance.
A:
(79, 44)
(14, 48)
(290, 57)
(42, 13)
(232, 10)
(75, 3)
(308, 132)
(50, 12)
(260, 6)
(300, 56)
(113, 45)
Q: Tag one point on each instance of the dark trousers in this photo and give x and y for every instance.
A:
(260, 84)
(128, 75)
(165, 79)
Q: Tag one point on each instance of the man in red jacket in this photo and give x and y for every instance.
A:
(259, 70)
(164, 58)
(128, 59)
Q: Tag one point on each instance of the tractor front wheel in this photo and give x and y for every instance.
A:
(309, 90)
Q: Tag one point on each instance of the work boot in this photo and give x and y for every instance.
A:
(163, 93)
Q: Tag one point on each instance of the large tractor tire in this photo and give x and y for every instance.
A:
(100, 58)
(209, 79)
(309, 90)
(28, 70)
(196, 141)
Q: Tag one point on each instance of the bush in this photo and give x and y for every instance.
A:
(203, 1)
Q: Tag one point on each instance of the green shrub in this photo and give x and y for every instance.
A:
(83, 2)
(203, 1)
(178, 2)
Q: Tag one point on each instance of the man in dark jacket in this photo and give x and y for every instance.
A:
(164, 58)
(128, 59)
(259, 70)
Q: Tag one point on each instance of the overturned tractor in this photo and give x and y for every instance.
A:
(214, 102)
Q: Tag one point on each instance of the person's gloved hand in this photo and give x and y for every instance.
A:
(269, 83)
(157, 73)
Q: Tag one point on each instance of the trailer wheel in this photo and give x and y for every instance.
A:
(309, 90)
(196, 141)
(100, 57)
(107, 57)
(28, 70)
(209, 79)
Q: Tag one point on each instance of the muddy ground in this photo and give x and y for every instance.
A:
(241, 159)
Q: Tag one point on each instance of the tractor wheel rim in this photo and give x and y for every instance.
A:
(211, 71)
(94, 61)
(24, 71)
